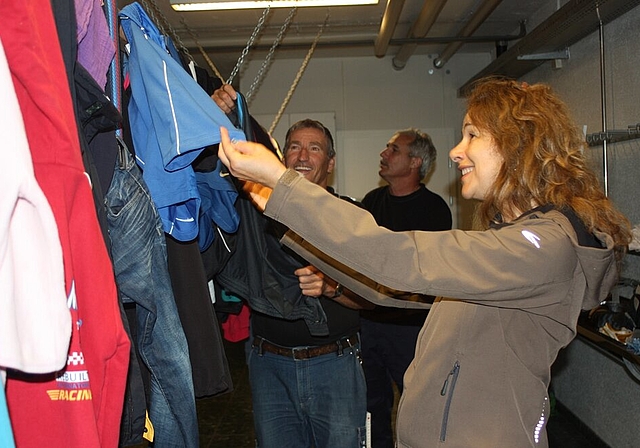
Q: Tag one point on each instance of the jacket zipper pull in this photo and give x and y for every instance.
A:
(444, 386)
(443, 391)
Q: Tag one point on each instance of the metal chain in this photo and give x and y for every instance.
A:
(250, 42)
(298, 77)
(151, 10)
(155, 12)
(165, 24)
(267, 59)
(174, 35)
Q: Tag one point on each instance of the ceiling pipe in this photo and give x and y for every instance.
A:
(338, 42)
(483, 12)
(502, 39)
(387, 26)
(428, 15)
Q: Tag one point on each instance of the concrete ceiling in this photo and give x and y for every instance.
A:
(350, 31)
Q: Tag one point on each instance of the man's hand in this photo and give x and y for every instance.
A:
(312, 282)
(225, 98)
(258, 193)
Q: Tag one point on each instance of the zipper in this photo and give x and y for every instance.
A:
(447, 390)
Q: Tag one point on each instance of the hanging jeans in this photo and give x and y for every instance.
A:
(140, 265)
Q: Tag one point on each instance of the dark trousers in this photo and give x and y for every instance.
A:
(387, 351)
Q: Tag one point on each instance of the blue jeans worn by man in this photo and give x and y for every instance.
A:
(326, 406)
(140, 265)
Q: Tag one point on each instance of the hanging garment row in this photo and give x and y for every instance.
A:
(142, 222)
(110, 227)
(82, 404)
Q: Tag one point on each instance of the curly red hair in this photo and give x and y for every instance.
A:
(543, 153)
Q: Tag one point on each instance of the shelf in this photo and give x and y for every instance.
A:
(617, 349)
(568, 25)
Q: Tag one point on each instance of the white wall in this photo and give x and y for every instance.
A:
(370, 101)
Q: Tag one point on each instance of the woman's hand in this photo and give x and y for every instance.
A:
(250, 161)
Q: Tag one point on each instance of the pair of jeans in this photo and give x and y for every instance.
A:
(140, 266)
(318, 402)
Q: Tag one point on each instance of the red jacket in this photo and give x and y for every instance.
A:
(83, 406)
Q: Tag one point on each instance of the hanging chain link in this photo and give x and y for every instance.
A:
(163, 24)
(152, 10)
(267, 59)
(155, 12)
(250, 42)
(298, 76)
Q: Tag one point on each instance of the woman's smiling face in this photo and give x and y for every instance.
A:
(478, 160)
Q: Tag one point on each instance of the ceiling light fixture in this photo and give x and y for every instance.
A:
(216, 5)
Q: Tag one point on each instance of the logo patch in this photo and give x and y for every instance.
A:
(532, 238)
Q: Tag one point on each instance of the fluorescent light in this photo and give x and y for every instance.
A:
(208, 5)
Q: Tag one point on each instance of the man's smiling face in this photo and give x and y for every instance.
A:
(308, 154)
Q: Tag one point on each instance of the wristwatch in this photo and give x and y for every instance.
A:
(338, 291)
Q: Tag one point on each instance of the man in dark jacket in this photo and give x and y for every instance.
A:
(296, 400)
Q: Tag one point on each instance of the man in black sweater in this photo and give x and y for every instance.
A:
(389, 334)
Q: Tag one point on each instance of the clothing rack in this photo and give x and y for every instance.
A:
(614, 136)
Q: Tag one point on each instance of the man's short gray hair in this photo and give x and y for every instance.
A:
(421, 146)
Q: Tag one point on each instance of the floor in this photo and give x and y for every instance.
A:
(226, 421)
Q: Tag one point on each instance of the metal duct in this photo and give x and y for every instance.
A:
(472, 25)
(428, 15)
(387, 26)
(343, 41)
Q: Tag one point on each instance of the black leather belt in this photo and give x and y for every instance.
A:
(305, 352)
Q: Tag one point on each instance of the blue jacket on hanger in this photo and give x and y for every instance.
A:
(172, 119)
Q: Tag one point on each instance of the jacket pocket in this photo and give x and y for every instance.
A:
(448, 388)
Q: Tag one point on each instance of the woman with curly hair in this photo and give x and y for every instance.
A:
(543, 152)
(509, 295)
